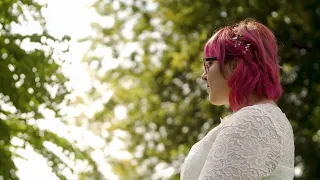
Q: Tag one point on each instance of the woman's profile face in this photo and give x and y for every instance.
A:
(217, 86)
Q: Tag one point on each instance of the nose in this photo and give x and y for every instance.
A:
(204, 76)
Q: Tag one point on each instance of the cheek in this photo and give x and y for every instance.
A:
(214, 77)
(218, 83)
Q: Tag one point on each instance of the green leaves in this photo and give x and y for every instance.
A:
(166, 90)
(27, 79)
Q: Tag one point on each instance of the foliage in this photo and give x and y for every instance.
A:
(27, 82)
(159, 81)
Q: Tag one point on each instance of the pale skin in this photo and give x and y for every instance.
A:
(218, 88)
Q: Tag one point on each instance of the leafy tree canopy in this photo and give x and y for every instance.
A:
(159, 83)
(30, 81)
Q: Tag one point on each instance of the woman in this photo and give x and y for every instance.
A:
(256, 141)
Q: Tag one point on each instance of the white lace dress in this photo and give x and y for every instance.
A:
(254, 143)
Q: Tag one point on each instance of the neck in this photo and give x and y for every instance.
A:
(253, 99)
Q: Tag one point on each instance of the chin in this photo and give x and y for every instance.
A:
(215, 102)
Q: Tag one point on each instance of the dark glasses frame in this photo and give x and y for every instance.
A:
(207, 63)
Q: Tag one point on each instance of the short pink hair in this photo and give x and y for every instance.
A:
(257, 68)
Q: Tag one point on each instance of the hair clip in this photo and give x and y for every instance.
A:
(236, 37)
(246, 48)
(239, 42)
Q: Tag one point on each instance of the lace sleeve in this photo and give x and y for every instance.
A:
(247, 148)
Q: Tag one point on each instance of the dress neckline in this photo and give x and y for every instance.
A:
(250, 106)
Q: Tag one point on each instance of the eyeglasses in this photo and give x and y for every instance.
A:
(207, 62)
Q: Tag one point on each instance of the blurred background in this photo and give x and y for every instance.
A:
(111, 89)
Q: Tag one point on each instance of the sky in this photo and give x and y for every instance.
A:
(76, 24)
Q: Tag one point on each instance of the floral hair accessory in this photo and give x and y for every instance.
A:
(240, 42)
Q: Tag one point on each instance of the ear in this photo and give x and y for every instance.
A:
(230, 67)
(233, 64)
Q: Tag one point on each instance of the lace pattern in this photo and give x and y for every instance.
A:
(252, 144)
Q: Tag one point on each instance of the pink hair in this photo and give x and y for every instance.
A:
(257, 69)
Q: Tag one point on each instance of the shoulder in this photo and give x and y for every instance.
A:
(249, 143)
(257, 113)
(257, 121)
